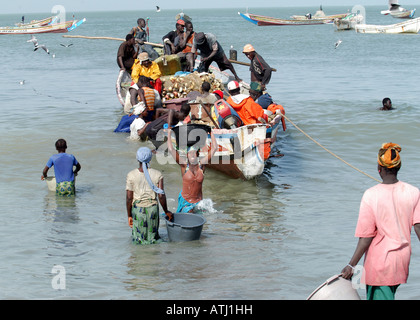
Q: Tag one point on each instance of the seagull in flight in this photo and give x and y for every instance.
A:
(33, 40)
(157, 9)
(66, 45)
(337, 44)
(42, 46)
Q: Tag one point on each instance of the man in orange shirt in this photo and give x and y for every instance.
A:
(249, 111)
(186, 40)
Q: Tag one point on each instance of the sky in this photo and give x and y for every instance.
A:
(35, 6)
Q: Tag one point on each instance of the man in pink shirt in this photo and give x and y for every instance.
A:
(387, 213)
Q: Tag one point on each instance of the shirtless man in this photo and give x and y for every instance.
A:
(192, 172)
(386, 104)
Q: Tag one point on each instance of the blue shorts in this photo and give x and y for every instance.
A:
(183, 205)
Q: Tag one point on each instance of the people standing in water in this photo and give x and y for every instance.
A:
(63, 168)
(388, 211)
(144, 186)
(192, 172)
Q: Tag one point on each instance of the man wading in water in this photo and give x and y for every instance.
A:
(192, 174)
(387, 213)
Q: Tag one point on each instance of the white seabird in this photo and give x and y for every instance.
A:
(42, 46)
(337, 44)
(33, 40)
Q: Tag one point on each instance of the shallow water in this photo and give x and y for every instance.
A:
(276, 237)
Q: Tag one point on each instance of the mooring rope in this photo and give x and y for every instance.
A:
(333, 154)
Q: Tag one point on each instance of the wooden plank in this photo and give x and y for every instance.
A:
(151, 43)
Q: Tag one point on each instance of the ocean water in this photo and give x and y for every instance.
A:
(276, 237)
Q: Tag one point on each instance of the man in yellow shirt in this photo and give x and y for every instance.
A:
(143, 66)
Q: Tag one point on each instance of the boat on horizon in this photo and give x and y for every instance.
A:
(49, 28)
(260, 20)
(396, 11)
(349, 22)
(38, 23)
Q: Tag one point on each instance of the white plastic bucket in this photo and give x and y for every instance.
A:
(335, 288)
(51, 183)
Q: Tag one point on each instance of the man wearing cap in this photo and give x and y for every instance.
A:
(388, 211)
(248, 110)
(171, 40)
(211, 50)
(260, 70)
(143, 66)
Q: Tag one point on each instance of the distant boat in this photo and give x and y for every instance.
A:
(319, 15)
(270, 21)
(409, 26)
(349, 22)
(51, 28)
(396, 11)
(182, 16)
(38, 23)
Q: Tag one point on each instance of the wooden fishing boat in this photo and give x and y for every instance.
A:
(270, 21)
(242, 152)
(38, 23)
(319, 15)
(409, 26)
(349, 22)
(396, 11)
(51, 28)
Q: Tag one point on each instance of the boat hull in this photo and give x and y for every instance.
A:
(269, 21)
(400, 13)
(410, 26)
(243, 151)
(349, 22)
(52, 28)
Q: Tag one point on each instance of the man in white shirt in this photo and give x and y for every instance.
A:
(138, 126)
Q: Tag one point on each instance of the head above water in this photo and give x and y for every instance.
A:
(61, 145)
(386, 104)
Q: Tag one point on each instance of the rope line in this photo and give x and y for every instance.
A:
(333, 154)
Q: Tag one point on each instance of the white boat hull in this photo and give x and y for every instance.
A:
(410, 26)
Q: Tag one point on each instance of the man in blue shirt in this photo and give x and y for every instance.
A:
(63, 168)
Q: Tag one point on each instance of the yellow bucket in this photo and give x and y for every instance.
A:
(51, 183)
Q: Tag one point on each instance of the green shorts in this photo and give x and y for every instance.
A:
(65, 188)
(381, 292)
